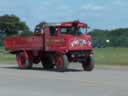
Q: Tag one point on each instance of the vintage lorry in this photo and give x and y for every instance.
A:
(55, 45)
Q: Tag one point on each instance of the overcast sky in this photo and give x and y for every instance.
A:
(103, 14)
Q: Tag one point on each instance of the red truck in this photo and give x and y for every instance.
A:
(54, 46)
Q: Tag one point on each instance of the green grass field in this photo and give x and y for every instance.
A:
(112, 56)
(5, 57)
(104, 56)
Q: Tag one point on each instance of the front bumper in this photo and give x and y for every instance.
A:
(79, 55)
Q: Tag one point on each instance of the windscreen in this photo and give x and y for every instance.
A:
(73, 30)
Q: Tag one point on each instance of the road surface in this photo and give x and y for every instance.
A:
(74, 82)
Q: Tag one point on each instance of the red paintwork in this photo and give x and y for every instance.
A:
(70, 24)
(64, 43)
(24, 43)
(59, 62)
(80, 43)
(54, 42)
(60, 43)
(21, 61)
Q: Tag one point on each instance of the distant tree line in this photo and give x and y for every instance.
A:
(110, 38)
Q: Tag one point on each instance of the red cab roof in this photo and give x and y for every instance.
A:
(70, 24)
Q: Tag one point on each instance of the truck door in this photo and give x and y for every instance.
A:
(49, 36)
(53, 40)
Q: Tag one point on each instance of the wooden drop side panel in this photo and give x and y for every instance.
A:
(24, 43)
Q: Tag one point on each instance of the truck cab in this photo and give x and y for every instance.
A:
(71, 42)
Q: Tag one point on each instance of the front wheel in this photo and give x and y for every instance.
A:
(23, 61)
(89, 63)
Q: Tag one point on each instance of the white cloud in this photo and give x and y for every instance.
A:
(91, 7)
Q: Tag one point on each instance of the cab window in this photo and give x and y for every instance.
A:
(53, 31)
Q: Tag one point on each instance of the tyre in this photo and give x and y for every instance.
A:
(47, 62)
(89, 64)
(23, 62)
(61, 63)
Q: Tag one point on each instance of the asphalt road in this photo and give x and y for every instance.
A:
(74, 82)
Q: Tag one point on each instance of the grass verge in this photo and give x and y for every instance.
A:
(112, 56)
(104, 56)
(6, 57)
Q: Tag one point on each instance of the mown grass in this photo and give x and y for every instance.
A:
(112, 56)
(104, 56)
(6, 57)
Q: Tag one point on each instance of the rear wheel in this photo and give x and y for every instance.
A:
(61, 62)
(23, 61)
(89, 63)
(47, 62)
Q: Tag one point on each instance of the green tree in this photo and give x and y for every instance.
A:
(118, 37)
(12, 25)
(39, 26)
